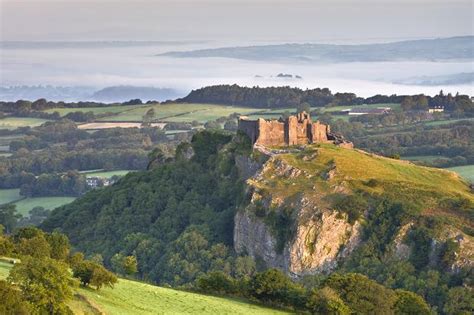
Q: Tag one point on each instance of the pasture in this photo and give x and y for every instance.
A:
(179, 113)
(106, 174)
(17, 122)
(25, 205)
(9, 195)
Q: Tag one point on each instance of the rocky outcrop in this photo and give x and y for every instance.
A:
(318, 237)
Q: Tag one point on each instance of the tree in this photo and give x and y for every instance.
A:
(362, 295)
(43, 282)
(13, 301)
(460, 301)
(130, 265)
(216, 282)
(303, 107)
(409, 303)
(273, 286)
(59, 244)
(149, 117)
(91, 273)
(8, 217)
(327, 301)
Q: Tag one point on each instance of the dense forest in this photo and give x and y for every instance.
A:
(177, 220)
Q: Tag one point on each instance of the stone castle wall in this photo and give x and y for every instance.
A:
(295, 130)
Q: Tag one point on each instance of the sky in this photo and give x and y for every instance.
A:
(242, 21)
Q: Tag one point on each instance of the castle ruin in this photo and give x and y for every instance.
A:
(294, 130)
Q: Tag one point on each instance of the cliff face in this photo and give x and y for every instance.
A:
(315, 238)
(290, 221)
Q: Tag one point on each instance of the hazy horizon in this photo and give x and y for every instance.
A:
(188, 25)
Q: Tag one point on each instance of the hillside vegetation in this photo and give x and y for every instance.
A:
(132, 297)
(179, 218)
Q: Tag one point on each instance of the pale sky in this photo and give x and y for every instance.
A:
(232, 20)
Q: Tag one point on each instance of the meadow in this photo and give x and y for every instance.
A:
(24, 205)
(133, 297)
(180, 112)
(106, 174)
(9, 195)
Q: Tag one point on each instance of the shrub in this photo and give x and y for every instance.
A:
(216, 282)
(327, 301)
(410, 303)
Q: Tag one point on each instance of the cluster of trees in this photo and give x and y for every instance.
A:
(342, 294)
(281, 97)
(176, 219)
(450, 103)
(40, 281)
(68, 184)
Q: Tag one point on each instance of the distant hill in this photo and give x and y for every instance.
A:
(81, 93)
(125, 93)
(450, 79)
(452, 48)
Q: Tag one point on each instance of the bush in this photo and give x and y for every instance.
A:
(89, 272)
(410, 303)
(216, 282)
(274, 287)
(327, 301)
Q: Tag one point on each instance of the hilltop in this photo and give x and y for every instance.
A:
(219, 205)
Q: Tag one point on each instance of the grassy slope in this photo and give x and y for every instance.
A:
(404, 180)
(106, 174)
(132, 297)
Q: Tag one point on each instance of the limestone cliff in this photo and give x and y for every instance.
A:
(290, 220)
(316, 237)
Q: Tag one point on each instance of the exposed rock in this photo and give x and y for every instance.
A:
(402, 250)
(247, 166)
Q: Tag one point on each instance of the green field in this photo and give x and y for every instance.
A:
(132, 297)
(9, 195)
(445, 122)
(17, 122)
(180, 112)
(95, 110)
(466, 171)
(25, 205)
(424, 158)
(106, 174)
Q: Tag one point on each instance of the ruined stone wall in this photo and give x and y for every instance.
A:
(296, 130)
(319, 132)
(270, 133)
